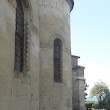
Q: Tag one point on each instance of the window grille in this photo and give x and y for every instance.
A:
(57, 60)
(21, 40)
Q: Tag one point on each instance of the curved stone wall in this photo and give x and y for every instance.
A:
(54, 20)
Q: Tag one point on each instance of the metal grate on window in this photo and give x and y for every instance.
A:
(21, 40)
(57, 60)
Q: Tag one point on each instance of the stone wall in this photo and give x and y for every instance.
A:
(36, 90)
(55, 23)
(16, 91)
(78, 82)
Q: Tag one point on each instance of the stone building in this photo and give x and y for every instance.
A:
(78, 81)
(35, 55)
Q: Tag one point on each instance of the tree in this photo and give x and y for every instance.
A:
(107, 98)
(95, 105)
(88, 104)
(91, 104)
(100, 89)
(105, 103)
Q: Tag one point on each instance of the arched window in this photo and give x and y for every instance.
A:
(57, 60)
(21, 38)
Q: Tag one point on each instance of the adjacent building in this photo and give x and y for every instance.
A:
(78, 82)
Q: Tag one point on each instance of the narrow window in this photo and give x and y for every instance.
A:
(20, 38)
(57, 60)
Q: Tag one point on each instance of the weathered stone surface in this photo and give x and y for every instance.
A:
(78, 81)
(54, 23)
(36, 90)
(16, 93)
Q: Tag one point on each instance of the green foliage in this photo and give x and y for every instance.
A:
(95, 105)
(107, 100)
(105, 103)
(88, 104)
(101, 91)
(91, 104)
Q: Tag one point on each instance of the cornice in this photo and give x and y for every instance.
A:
(74, 56)
(71, 3)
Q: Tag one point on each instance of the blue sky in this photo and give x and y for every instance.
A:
(90, 38)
